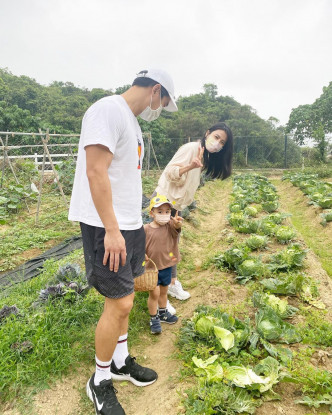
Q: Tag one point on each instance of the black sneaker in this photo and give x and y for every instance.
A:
(132, 371)
(155, 326)
(167, 317)
(104, 397)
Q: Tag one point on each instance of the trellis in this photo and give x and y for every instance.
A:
(43, 150)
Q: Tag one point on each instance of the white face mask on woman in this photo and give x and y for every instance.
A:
(149, 114)
(162, 219)
(212, 145)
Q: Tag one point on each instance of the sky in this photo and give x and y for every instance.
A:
(273, 55)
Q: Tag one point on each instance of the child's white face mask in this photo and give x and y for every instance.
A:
(162, 219)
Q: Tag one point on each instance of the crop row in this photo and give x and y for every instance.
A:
(237, 362)
(318, 192)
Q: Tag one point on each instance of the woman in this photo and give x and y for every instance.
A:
(179, 181)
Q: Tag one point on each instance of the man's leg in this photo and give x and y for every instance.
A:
(113, 323)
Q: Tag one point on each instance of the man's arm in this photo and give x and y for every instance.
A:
(98, 160)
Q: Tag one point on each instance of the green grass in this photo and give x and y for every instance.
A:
(313, 234)
(21, 234)
(60, 331)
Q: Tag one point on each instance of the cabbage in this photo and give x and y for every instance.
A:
(247, 226)
(280, 306)
(277, 217)
(251, 211)
(256, 242)
(290, 258)
(208, 369)
(235, 207)
(242, 376)
(270, 206)
(326, 217)
(271, 327)
(225, 337)
(234, 256)
(267, 226)
(235, 218)
(270, 368)
(204, 326)
(284, 234)
(250, 268)
(325, 202)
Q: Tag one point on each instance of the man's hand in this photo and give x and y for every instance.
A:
(177, 220)
(115, 250)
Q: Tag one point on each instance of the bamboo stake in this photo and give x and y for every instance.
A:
(154, 153)
(40, 188)
(45, 141)
(11, 167)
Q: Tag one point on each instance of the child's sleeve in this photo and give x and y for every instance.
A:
(174, 232)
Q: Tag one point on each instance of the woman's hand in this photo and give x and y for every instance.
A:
(197, 161)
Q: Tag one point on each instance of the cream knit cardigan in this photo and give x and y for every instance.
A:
(180, 190)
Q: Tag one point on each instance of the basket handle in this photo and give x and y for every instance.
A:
(155, 266)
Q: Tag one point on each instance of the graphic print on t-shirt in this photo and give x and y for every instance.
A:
(139, 150)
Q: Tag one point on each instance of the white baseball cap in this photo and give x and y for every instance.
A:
(164, 79)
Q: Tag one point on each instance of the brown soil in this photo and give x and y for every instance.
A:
(67, 397)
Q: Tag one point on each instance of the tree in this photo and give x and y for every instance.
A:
(211, 90)
(313, 122)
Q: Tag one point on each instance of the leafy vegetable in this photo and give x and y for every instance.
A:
(270, 206)
(292, 257)
(326, 217)
(242, 376)
(280, 306)
(251, 211)
(325, 399)
(267, 226)
(205, 325)
(256, 242)
(277, 217)
(284, 234)
(250, 268)
(208, 369)
(220, 398)
(271, 327)
(225, 337)
(232, 257)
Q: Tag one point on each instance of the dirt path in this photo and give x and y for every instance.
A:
(67, 397)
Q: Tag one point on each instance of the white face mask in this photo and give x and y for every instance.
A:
(212, 145)
(162, 219)
(149, 114)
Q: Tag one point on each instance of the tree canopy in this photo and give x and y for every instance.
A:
(313, 122)
(25, 105)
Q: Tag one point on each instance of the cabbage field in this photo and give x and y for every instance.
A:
(254, 338)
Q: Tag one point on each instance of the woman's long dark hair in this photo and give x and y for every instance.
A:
(219, 165)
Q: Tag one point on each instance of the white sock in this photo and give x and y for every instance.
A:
(121, 351)
(103, 371)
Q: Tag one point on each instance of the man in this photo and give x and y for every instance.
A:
(106, 200)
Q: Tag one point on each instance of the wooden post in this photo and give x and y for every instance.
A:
(40, 187)
(45, 141)
(11, 166)
(154, 153)
(247, 154)
(3, 163)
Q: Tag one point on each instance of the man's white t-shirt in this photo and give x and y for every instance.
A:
(111, 123)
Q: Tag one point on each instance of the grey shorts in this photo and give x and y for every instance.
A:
(108, 283)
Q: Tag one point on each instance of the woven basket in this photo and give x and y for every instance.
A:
(147, 281)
